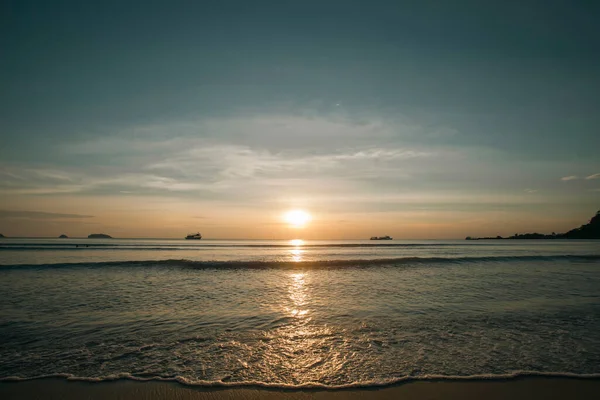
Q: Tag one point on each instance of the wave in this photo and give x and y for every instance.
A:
(309, 385)
(343, 263)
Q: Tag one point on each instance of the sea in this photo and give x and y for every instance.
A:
(326, 314)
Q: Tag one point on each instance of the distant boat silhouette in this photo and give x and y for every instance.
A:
(381, 238)
(194, 236)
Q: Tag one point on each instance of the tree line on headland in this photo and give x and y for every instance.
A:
(590, 230)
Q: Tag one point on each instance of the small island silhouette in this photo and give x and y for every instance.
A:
(1, 235)
(63, 237)
(590, 230)
(99, 236)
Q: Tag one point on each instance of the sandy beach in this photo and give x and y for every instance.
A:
(515, 389)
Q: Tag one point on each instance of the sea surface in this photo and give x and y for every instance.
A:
(294, 313)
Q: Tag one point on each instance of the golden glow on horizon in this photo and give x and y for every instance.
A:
(297, 218)
(297, 242)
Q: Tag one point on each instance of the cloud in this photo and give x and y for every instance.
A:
(220, 155)
(96, 181)
(574, 177)
(569, 178)
(595, 176)
(253, 161)
(224, 165)
(40, 215)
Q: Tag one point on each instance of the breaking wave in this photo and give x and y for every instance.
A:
(349, 263)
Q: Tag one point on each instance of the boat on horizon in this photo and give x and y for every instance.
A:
(381, 237)
(194, 236)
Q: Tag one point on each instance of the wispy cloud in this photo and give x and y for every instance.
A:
(575, 177)
(40, 215)
(331, 165)
(595, 176)
(569, 178)
(224, 163)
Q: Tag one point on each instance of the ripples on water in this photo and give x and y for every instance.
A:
(456, 310)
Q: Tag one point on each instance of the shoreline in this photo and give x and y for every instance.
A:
(520, 387)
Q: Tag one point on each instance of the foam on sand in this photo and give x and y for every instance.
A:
(489, 389)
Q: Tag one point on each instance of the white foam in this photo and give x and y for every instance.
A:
(309, 385)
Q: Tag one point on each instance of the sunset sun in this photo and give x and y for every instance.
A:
(297, 218)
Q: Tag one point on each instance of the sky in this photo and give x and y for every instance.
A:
(415, 119)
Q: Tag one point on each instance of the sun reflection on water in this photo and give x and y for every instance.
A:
(296, 253)
(298, 295)
(307, 350)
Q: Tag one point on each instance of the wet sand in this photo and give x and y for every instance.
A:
(514, 389)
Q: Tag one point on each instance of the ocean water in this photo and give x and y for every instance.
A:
(322, 313)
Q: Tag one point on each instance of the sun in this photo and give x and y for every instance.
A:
(297, 218)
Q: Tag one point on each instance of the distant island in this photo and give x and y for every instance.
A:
(63, 237)
(1, 235)
(99, 236)
(590, 230)
(381, 238)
